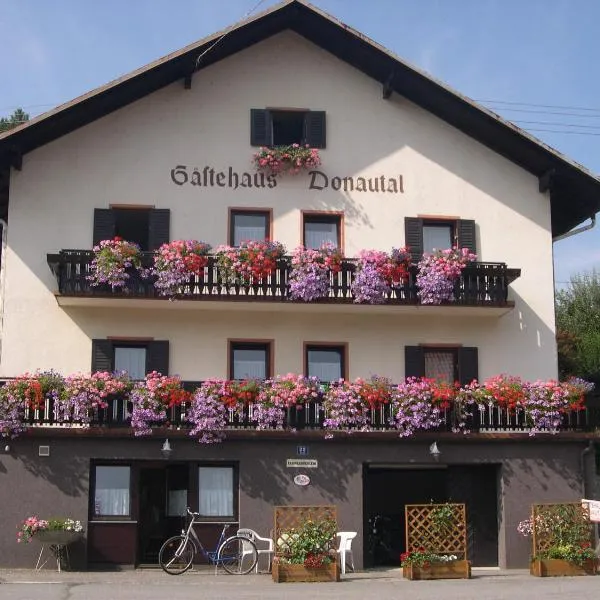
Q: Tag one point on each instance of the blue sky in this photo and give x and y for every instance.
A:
(499, 52)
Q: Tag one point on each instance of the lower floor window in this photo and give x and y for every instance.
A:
(216, 486)
(441, 365)
(111, 492)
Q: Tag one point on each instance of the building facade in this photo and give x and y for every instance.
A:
(167, 154)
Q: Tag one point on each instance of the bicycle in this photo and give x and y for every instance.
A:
(237, 554)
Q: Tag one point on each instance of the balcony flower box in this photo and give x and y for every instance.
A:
(456, 569)
(283, 573)
(558, 567)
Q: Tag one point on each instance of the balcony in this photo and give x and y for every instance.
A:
(495, 421)
(482, 289)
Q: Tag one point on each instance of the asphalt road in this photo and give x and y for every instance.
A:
(381, 585)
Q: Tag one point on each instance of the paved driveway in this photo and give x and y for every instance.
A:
(203, 585)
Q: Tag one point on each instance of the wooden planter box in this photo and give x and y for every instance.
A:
(296, 573)
(456, 569)
(556, 567)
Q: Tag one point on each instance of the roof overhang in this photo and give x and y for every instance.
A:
(574, 191)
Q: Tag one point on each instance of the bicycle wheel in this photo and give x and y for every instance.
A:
(238, 555)
(176, 555)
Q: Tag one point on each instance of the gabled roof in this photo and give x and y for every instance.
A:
(574, 191)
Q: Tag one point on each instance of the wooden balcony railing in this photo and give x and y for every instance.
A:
(311, 416)
(480, 284)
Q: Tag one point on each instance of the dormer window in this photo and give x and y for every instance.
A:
(283, 127)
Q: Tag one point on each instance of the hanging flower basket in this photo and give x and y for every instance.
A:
(112, 262)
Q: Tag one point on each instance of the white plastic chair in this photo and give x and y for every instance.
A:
(257, 539)
(345, 548)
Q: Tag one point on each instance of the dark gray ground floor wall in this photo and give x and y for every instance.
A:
(528, 471)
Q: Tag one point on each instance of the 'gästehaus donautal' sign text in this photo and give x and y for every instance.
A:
(207, 177)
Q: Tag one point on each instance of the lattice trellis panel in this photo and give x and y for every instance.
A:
(423, 530)
(290, 518)
(555, 524)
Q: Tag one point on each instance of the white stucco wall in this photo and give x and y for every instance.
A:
(127, 156)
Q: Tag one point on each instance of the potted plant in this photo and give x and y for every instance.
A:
(424, 564)
(176, 262)
(56, 531)
(438, 272)
(113, 261)
(310, 274)
(286, 159)
(250, 262)
(561, 539)
(307, 552)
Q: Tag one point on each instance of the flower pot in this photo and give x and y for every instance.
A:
(455, 569)
(299, 573)
(58, 537)
(557, 567)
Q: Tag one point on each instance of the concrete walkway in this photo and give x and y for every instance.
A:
(153, 584)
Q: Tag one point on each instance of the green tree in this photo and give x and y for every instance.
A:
(578, 327)
(19, 116)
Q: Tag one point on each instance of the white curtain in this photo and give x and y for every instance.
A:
(436, 238)
(326, 365)
(317, 234)
(440, 366)
(112, 491)
(131, 360)
(216, 491)
(249, 228)
(249, 364)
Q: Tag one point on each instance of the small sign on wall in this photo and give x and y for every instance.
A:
(301, 463)
(302, 479)
(302, 450)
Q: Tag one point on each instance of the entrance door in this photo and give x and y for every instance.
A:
(163, 492)
(386, 491)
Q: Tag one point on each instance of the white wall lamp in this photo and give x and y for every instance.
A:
(435, 451)
(166, 449)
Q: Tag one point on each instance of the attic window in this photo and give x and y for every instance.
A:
(269, 127)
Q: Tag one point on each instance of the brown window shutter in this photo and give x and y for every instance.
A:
(314, 128)
(260, 134)
(104, 225)
(413, 237)
(157, 357)
(159, 228)
(468, 365)
(102, 356)
(466, 235)
(414, 361)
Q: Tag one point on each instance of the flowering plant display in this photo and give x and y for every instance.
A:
(291, 159)
(311, 271)
(151, 399)
(412, 405)
(415, 406)
(112, 259)
(32, 525)
(376, 392)
(424, 558)
(250, 262)
(208, 410)
(377, 272)
(566, 529)
(437, 272)
(175, 262)
(344, 408)
(84, 393)
(280, 393)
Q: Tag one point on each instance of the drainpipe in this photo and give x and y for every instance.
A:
(584, 471)
(576, 231)
(4, 226)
